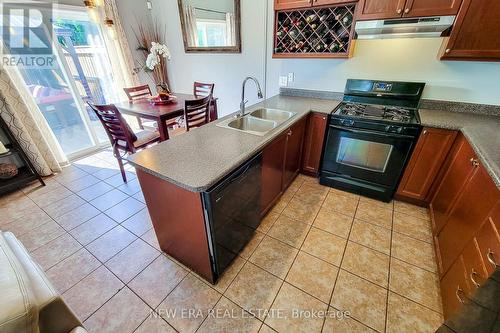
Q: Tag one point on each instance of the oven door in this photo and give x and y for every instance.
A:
(374, 157)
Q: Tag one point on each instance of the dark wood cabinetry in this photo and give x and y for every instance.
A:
(281, 162)
(418, 8)
(313, 143)
(379, 9)
(272, 172)
(465, 210)
(291, 4)
(428, 157)
(293, 156)
(387, 9)
(461, 164)
(475, 33)
(454, 288)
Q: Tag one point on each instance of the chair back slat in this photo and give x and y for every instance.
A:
(114, 124)
(139, 92)
(196, 112)
(203, 89)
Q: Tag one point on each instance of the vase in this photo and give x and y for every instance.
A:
(163, 91)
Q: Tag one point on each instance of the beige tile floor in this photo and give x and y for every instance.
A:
(368, 265)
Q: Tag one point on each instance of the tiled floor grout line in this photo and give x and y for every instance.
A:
(386, 322)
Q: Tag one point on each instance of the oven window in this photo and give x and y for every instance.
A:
(363, 154)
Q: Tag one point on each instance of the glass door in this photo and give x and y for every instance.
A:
(81, 73)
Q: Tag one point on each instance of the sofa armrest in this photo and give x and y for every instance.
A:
(18, 310)
(54, 315)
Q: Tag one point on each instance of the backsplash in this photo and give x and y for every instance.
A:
(492, 110)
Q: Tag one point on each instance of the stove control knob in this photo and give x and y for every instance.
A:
(347, 122)
(399, 130)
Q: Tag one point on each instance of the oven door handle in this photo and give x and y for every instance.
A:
(387, 135)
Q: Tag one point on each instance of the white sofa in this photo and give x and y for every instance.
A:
(28, 301)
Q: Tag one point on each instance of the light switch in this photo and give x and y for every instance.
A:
(291, 77)
(283, 81)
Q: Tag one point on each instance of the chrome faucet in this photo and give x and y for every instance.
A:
(241, 113)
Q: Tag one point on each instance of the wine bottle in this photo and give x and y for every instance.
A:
(311, 18)
(334, 47)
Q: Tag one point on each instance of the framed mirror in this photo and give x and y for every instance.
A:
(211, 25)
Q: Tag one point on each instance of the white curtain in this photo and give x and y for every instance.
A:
(231, 30)
(26, 122)
(191, 28)
(122, 61)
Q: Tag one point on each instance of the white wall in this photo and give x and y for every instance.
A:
(403, 59)
(227, 71)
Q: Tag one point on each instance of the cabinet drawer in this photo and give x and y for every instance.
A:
(488, 240)
(474, 265)
(454, 288)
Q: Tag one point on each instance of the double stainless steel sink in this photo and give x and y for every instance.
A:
(258, 122)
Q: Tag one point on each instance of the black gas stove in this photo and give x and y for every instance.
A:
(370, 137)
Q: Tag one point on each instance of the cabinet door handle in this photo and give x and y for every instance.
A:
(474, 162)
(458, 292)
(472, 275)
(407, 10)
(399, 11)
(447, 51)
(425, 132)
(491, 258)
(290, 133)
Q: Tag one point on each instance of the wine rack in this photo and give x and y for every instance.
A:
(317, 32)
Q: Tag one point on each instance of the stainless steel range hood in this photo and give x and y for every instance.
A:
(404, 28)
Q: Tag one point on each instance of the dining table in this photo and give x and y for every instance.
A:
(161, 113)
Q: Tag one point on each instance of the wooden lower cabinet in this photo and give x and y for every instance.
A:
(466, 214)
(431, 150)
(272, 172)
(488, 240)
(313, 143)
(471, 208)
(281, 162)
(460, 166)
(293, 157)
(454, 288)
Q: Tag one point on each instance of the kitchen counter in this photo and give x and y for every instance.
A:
(199, 159)
(482, 132)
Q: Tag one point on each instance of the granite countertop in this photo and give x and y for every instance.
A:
(199, 159)
(482, 132)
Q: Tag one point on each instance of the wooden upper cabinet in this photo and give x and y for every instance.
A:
(330, 2)
(313, 143)
(475, 33)
(418, 8)
(380, 9)
(428, 157)
(291, 4)
(293, 155)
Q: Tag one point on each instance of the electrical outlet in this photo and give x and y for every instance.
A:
(291, 77)
(283, 81)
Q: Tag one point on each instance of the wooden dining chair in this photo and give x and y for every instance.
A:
(196, 112)
(200, 90)
(139, 92)
(123, 140)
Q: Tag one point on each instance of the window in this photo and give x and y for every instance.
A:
(211, 32)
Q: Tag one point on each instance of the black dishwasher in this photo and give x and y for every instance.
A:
(232, 213)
